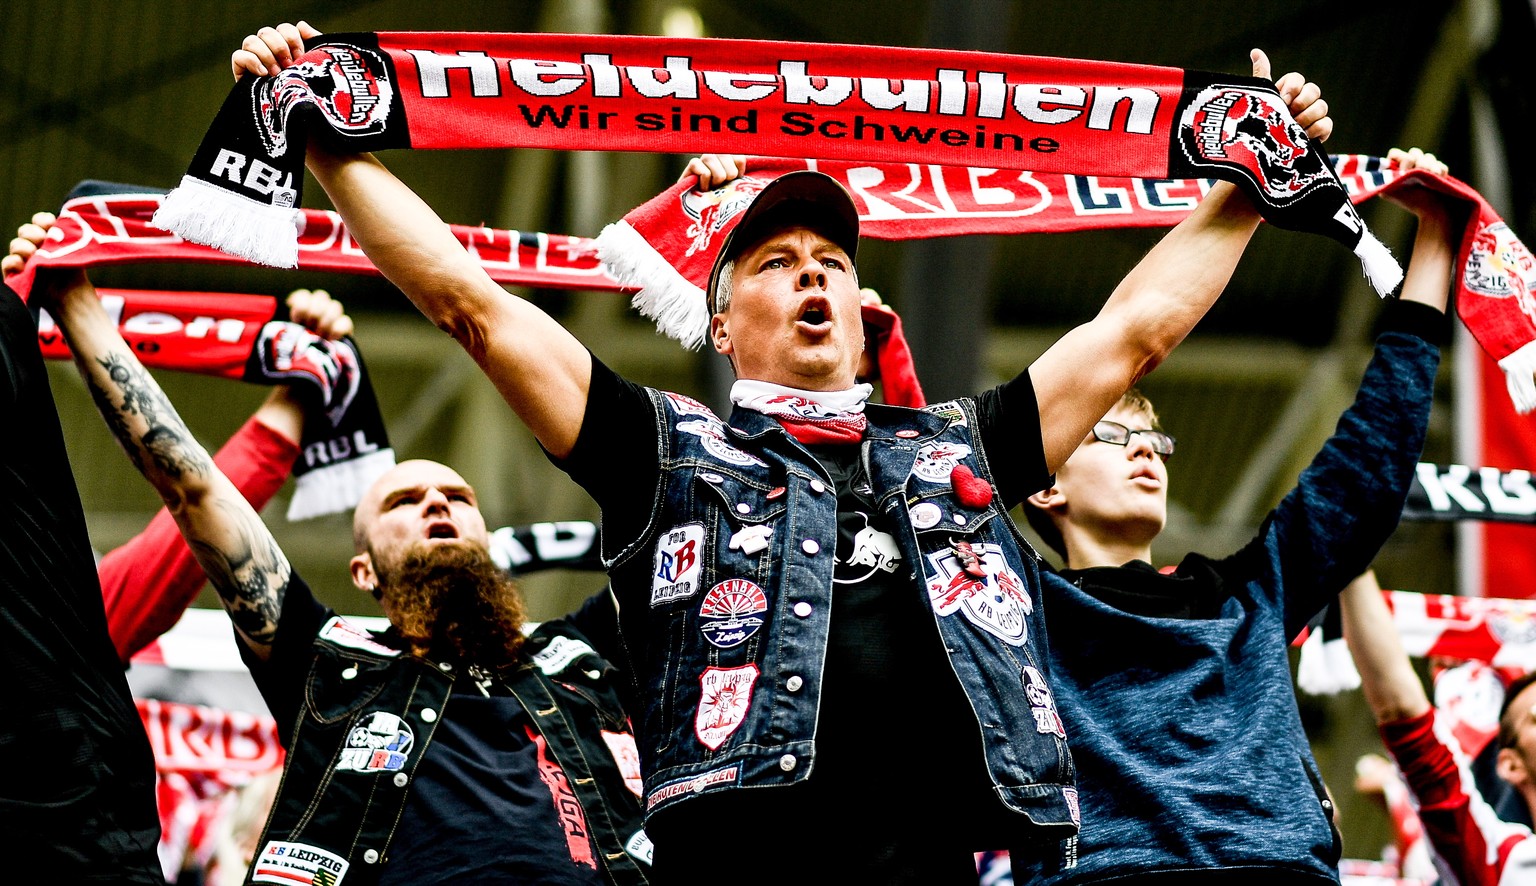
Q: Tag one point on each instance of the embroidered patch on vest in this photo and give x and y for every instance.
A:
(559, 654)
(732, 612)
(936, 461)
(627, 756)
(675, 573)
(950, 410)
(378, 742)
(342, 633)
(297, 863)
(998, 604)
(1042, 704)
(689, 406)
(692, 785)
(727, 693)
(713, 435)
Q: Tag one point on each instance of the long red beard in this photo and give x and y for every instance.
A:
(457, 602)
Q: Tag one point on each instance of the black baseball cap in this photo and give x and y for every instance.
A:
(803, 197)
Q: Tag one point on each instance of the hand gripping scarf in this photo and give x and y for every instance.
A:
(434, 90)
(344, 447)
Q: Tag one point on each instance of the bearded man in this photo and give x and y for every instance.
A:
(452, 747)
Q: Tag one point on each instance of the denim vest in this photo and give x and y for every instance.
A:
(725, 602)
(368, 717)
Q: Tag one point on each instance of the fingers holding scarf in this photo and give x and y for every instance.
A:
(269, 50)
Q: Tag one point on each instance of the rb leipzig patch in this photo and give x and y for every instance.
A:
(936, 461)
(726, 695)
(677, 566)
(994, 600)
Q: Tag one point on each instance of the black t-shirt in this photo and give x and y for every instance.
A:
(77, 800)
(899, 762)
(482, 808)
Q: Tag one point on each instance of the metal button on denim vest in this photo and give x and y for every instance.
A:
(725, 601)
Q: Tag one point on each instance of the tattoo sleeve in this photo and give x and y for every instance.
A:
(235, 548)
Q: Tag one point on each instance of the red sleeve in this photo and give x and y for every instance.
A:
(149, 581)
(1461, 827)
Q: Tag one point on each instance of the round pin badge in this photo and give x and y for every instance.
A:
(924, 515)
(907, 433)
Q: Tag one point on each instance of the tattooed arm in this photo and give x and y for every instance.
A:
(226, 535)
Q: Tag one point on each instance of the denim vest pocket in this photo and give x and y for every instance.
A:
(341, 684)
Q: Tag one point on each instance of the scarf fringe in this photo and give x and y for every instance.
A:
(203, 213)
(1325, 666)
(1520, 377)
(1380, 267)
(677, 306)
(337, 487)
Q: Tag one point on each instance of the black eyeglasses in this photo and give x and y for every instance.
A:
(1120, 435)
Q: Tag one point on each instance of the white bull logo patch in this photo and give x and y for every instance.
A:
(873, 551)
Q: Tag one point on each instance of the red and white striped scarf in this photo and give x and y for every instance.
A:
(809, 416)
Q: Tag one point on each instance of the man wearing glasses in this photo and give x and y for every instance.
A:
(1174, 684)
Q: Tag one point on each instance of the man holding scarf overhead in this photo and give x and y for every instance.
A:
(804, 582)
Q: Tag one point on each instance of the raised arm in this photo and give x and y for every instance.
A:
(1079, 378)
(1428, 278)
(541, 370)
(226, 535)
(151, 579)
(1391, 686)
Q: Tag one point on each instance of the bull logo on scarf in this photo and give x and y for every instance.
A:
(348, 84)
(710, 212)
(1251, 130)
(1500, 266)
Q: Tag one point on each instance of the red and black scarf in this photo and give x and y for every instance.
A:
(665, 247)
(437, 90)
(344, 446)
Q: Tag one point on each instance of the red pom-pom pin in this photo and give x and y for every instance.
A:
(972, 491)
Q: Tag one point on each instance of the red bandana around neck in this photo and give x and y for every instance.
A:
(809, 416)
